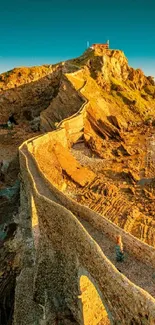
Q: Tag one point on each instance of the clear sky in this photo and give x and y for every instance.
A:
(37, 32)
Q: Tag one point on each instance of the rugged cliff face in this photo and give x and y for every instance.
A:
(110, 85)
(66, 103)
(27, 91)
(128, 90)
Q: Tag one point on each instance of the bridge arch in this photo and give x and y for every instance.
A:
(94, 307)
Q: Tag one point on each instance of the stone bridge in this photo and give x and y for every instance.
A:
(65, 241)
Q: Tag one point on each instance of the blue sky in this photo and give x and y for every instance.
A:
(37, 32)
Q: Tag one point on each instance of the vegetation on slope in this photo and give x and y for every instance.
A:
(129, 89)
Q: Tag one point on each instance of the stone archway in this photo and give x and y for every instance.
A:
(94, 312)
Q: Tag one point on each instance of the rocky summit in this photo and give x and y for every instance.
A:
(85, 130)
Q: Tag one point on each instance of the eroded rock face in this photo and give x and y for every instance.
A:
(27, 91)
(9, 204)
(54, 90)
(66, 103)
(123, 189)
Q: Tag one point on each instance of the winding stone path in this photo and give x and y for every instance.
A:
(139, 273)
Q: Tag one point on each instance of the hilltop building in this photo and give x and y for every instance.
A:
(100, 46)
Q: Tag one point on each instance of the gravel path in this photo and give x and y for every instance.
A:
(84, 156)
(139, 273)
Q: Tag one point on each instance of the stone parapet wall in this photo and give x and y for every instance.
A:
(67, 133)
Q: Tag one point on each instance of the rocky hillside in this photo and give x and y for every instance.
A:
(118, 125)
(118, 140)
(111, 85)
(28, 91)
(127, 92)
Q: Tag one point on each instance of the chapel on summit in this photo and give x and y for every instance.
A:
(100, 46)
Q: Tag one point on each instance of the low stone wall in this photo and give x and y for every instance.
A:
(69, 132)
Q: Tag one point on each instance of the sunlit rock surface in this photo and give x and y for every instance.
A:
(100, 155)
